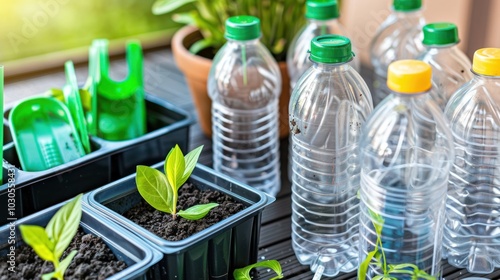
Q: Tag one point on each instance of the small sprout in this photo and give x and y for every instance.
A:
(50, 242)
(244, 273)
(161, 190)
(380, 261)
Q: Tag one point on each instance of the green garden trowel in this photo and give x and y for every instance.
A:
(118, 106)
(44, 133)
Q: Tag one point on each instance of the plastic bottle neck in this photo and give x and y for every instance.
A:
(415, 14)
(436, 49)
(246, 42)
(340, 67)
(322, 21)
(485, 78)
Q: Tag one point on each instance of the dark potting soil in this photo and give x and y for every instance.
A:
(94, 260)
(163, 225)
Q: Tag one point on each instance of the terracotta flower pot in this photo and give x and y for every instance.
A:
(196, 69)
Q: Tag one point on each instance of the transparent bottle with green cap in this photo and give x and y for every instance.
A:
(450, 66)
(398, 37)
(244, 85)
(322, 18)
(472, 228)
(328, 107)
(406, 154)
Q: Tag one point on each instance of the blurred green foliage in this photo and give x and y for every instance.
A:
(32, 28)
(280, 20)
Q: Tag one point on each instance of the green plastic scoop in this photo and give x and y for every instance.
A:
(44, 133)
(120, 105)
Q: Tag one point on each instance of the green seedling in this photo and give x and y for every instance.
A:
(161, 190)
(50, 242)
(377, 258)
(244, 273)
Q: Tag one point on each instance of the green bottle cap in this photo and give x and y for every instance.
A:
(322, 9)
(440, 33)
(407, 5)
(331, 48)
(242, 28)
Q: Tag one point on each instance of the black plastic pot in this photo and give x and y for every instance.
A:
(109, 160)
(138, 256)
(210, 254)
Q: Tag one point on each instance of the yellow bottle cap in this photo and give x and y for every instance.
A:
(487, 62)
(409, 76)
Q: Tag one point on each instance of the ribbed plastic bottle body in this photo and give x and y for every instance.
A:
(399, 37)
(244, 85)
(327, 110)
(297, 59)
(472, 229)
(406, 153)
(450, 70)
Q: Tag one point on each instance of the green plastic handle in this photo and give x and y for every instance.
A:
(73, 101)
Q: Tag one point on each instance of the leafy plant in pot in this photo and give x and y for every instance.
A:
(225, 239)
(195, 44)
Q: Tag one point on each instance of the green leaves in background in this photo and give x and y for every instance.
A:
(244, 273)
(161, 190)
(49, 243)
(280, 20)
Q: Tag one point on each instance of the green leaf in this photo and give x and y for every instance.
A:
(403, 265)
(244, 273)
(64, 224)
(175, 167)
(63, 265)
(378, 222)
(36, 238)
(378, 277)
(184, 18)
(167, 6)
(50, 276)
(190, 160)
(363, 267)
(197, 212)
(154, 188)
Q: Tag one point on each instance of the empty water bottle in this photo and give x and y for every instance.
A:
(472, 229)
(399, 37)
(406, 154)
(322, 18)
(327, 109)
(244, 84)
(450, 66)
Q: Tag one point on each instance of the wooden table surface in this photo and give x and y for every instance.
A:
(163, 79)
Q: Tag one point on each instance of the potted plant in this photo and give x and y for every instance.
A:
(230, 241)
(195, 45)
(69, 240)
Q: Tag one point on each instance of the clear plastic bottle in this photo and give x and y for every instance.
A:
(472, 229)
(406, 155)
(322, 18)
(244, 85)
(450, 66)
(327, 109)
(399, 37)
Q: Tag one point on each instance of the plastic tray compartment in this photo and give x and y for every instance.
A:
(210, 254)
(108, 161)
(166, 126)
(138, 256)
